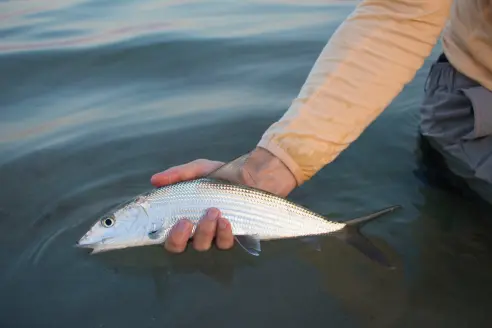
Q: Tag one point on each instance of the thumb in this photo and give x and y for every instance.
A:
(189, 171)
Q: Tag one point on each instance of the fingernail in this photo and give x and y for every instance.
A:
(182, 225)
(156, 177)
(213, 213)
(222, 224)
(163, 178)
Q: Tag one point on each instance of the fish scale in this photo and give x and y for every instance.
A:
(249, 211)
(254, 215)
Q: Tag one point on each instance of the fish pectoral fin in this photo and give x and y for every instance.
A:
(157, 235)
(250, 244)
(97, 250)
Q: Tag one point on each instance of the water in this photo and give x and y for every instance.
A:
(96, 96)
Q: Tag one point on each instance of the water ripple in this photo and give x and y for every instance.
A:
(106, 37)
(59, 27)
(97, 95)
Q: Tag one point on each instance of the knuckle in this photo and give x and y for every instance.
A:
(207, 226)
(173, 248)
(225, 241)
(203, 238)
(225, 244)
(201, 245)
(199, 161)
(173, 245)
(206, 233)
(202, 248)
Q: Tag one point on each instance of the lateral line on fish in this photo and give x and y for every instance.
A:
(252, 213)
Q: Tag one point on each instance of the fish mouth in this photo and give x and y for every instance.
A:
(89, 244)
(81, 244)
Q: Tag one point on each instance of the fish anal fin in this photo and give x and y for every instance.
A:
(250, 243)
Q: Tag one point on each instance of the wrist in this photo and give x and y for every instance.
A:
(265, 171)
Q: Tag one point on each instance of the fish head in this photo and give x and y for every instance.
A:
(128, 226)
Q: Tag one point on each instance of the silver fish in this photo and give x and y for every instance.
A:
(255, 216)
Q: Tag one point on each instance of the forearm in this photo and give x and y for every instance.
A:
(366, 63)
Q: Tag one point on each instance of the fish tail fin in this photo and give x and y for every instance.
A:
(351, 235)
(366, 218)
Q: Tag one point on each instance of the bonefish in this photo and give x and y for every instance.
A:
(255, 216)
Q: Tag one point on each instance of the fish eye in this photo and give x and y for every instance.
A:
(107, 222)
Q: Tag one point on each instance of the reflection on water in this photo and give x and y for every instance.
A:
(74, 24)
(96, 96)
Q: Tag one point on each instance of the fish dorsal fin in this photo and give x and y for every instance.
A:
(230, 171)
(250, 244)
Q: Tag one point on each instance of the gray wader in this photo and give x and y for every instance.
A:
(456, 122)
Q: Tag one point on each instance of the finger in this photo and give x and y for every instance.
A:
(188, 171)
(178, 237)
(205, 230)
(224, 237)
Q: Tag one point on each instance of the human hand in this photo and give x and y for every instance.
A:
(211, 226)
(260, 169)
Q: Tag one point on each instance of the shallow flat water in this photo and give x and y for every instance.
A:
(96, 96)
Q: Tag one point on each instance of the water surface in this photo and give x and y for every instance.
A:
(96, 96)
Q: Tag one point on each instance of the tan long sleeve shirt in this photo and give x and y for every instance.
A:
(372, 55)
